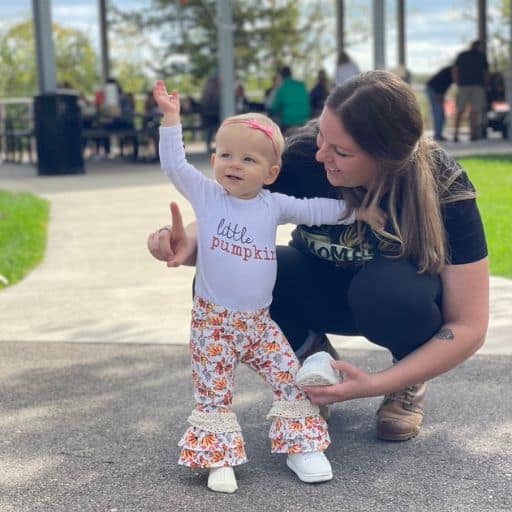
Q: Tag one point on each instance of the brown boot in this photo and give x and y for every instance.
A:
(400, 415)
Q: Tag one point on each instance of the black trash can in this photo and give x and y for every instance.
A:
(58, 126)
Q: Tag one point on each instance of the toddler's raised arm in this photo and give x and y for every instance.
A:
(169, 104)
(186, 178)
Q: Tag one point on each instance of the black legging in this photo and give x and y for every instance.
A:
(386, 301)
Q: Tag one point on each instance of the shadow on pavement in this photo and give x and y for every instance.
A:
(95, 428)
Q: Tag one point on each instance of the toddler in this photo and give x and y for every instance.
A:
(235, 274)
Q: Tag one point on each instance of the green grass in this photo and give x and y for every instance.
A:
(24, 220)
(23, 234)
(492, 177)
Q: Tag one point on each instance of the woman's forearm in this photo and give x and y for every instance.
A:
(448, 348)
(466, 313)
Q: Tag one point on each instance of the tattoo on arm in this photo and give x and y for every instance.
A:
(445, 334)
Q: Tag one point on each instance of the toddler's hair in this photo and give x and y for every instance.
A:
(257, 121)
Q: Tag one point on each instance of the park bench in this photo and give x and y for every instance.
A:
(17, 139)
(143, 132)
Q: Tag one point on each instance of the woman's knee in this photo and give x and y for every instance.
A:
(393, 304)
(393, 284)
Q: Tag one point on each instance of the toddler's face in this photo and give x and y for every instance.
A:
(244, 160)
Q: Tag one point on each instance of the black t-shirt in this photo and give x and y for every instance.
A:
(471, 66)
(342, 245)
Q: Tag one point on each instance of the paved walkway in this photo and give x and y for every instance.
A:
(95, 385)
(98, 283)
(95, 428)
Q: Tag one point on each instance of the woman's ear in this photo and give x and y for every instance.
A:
(272, 175)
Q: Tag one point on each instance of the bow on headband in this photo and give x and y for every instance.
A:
(256, 125)
(267, 130)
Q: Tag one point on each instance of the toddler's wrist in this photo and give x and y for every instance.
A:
(170, 120)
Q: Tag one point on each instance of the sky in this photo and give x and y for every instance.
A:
(436, 30)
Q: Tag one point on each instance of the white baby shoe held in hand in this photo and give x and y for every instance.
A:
(311, 467)
(316, 370)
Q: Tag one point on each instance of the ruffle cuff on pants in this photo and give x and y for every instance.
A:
(202, 449)
(305, 431)
(213, 440)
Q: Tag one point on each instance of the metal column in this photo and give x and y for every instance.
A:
(45, 54)
(482, 24)
(104, 49)
(402, 64)
(379, 37)
(226, 57)
(340, 25)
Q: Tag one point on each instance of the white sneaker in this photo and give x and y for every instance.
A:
(222, 479)
(316, 370)
(310, 467)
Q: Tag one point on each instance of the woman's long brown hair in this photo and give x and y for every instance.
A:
(381, 113)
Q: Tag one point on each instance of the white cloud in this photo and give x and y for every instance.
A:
(77, 15)
(76, 11)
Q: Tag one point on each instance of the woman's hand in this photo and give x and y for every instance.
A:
(374, 216)
(172, 243)
(356, 383)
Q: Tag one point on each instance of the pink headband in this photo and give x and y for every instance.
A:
(256, 125)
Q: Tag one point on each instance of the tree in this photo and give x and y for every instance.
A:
(74, 55)
(17, 53)
(499, 21)
(76, 59)
(498, 31)
(131, 76)
(267, 33)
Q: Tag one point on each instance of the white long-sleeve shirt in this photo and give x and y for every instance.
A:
(236, 250)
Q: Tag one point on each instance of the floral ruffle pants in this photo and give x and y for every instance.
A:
(221, 338)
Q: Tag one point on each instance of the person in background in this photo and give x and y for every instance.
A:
(291, 101)
(471, 74)
(89, 115)
(151, 122)
(436, 89)
(241, 101)
(319, 93)
(345, 69)
(117, 113)
(210, 108)
(151, 106)
(271, 92)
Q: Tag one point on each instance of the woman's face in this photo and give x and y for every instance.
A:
(346, 164)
